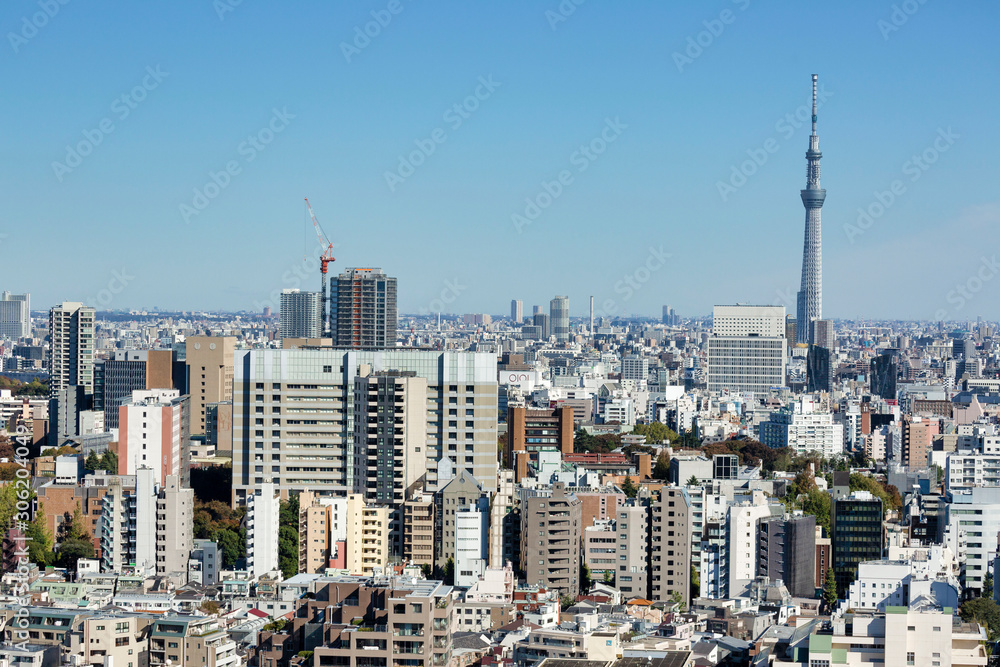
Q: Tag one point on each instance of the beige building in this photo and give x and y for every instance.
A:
(418, 529)
(71, 347)
(210, 375)
(316, 540)
(367, 544)
(118, 639)
(551, 531)
(191, 641)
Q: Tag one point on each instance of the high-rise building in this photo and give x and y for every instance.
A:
(786, 550)
(856, 533)
(263, 513)
(632, 549)
(301, 314)
(153, 433)
(819, 369)
(550, 540)
(810, 296)
(746, 351)
(804, 427)
(536, 310)
(367, 544)
(462, 491)
(516, 311)
(559, 318)
(635, 367)
(418, 529)
(15, 316)
(471, 541)
(532, 431)
(294, 416)
(670, 545)
(822, 334)
(71, 346)
(148, 527)
(209, 361)
(884, 372)
(126, 371)
(363, 310)
(322, 532)
(670, 317)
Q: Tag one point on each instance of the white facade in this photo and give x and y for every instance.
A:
(742, 545)
(150, 433)
(767, 321)
(804, 428)
(262, 530)
(470, 545)
(635, 367)
(973, 522)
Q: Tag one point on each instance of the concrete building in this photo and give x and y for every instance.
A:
(294, 416)
(786, 551)
(262, 530)
(205, 563)
(209, 361)
(322, 532)
(550, 540)
(530, 431)
(918, 433)
(15, 316)
(635, 367)
(363, 310)
(971, 526)
(600, 549)
(559, 318)
(744, 523)
(71, 347)
(517, 311)
(856, 534)
(418, 529)
(367, 544)
(114, 639)
(153, 432)
(804, 427)
(471, 542)
(301, 314)
(174, 528)
(747, 348)
(632, 535)
(460, 492)
(126, 371)
(670, 546)
(190, 641)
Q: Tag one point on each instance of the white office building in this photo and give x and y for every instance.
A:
(15, 316)
(747, 348)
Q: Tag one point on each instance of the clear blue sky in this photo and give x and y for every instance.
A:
(450, 222)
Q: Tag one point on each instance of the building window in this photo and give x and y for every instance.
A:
(910, 658)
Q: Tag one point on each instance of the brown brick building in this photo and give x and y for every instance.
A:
(530, 431)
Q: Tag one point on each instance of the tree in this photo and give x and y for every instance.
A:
(656, 432)
(109, 462)
(817, 503)
(78, 529)
(210, 607)
(449, 572)
(39, 540)
(988, 585)
(695, 583)
(212, 483)
(662, 468)
(678, 599)
(229, 543)
(985, 612)
(565, 602)
(288, 550)
(629, 488)
(92, 462)
(427, 570)
(609, 578)
(805, 482)
(692, 481)
(585, 579)
(830, 589)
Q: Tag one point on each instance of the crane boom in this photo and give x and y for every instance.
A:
(324, 261)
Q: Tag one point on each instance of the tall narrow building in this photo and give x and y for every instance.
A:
(810, 297)
(71, 347)
(363, 310)
(301, 314)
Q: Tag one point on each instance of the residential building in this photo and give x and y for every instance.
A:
(418, 529)
(263, 512)
(670, 545)
(205, 563)
(530, 431)
(126, 371)
(367, 530)
(363, 310)
(600, 549)
(191, 641)
(71, 347)
(550, 539)
(804, 427)
(209, 361)
(294, 416)
(115, 639)
(786, 551)
(153, 433)
(301, 314)
(462, 491)
(559, 317)
(516, 311)
(471, 542)
(635, 367)
(632, 532)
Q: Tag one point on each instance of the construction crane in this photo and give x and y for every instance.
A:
(324, 261)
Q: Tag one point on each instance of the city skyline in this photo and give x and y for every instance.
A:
(676, 136)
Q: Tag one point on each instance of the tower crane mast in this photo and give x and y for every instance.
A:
(324, 262)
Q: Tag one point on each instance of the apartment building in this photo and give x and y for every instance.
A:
(263, 511)
(191, 641)
(153, 432)
(462, 491)
(418, 529)
(530, 431)
(71, 347)
(786, 550)
(670, 545)
(114, 638)
(550, 539)
(363, 309)
(368, 533)
(126, 371)
(294, 417)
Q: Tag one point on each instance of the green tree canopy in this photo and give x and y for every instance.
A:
(661, 470)
(629, 488)
(985, 612)
(830, 589)
(656, 433)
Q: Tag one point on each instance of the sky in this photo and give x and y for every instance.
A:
(157, 155)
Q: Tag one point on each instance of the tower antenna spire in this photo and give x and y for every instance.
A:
(815, 77)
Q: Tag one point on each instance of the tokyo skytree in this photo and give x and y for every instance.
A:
(810, 297)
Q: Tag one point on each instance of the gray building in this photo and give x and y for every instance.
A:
(632, 528)
(458, 493)
(670, 546)
(301, 314)
(15, 316)
(64, 414)
(516, 311)
(363, 310)
(786, 551)
(559, 314)
(294, 416)
(543, 325)
(551, 529)
(71, 346)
